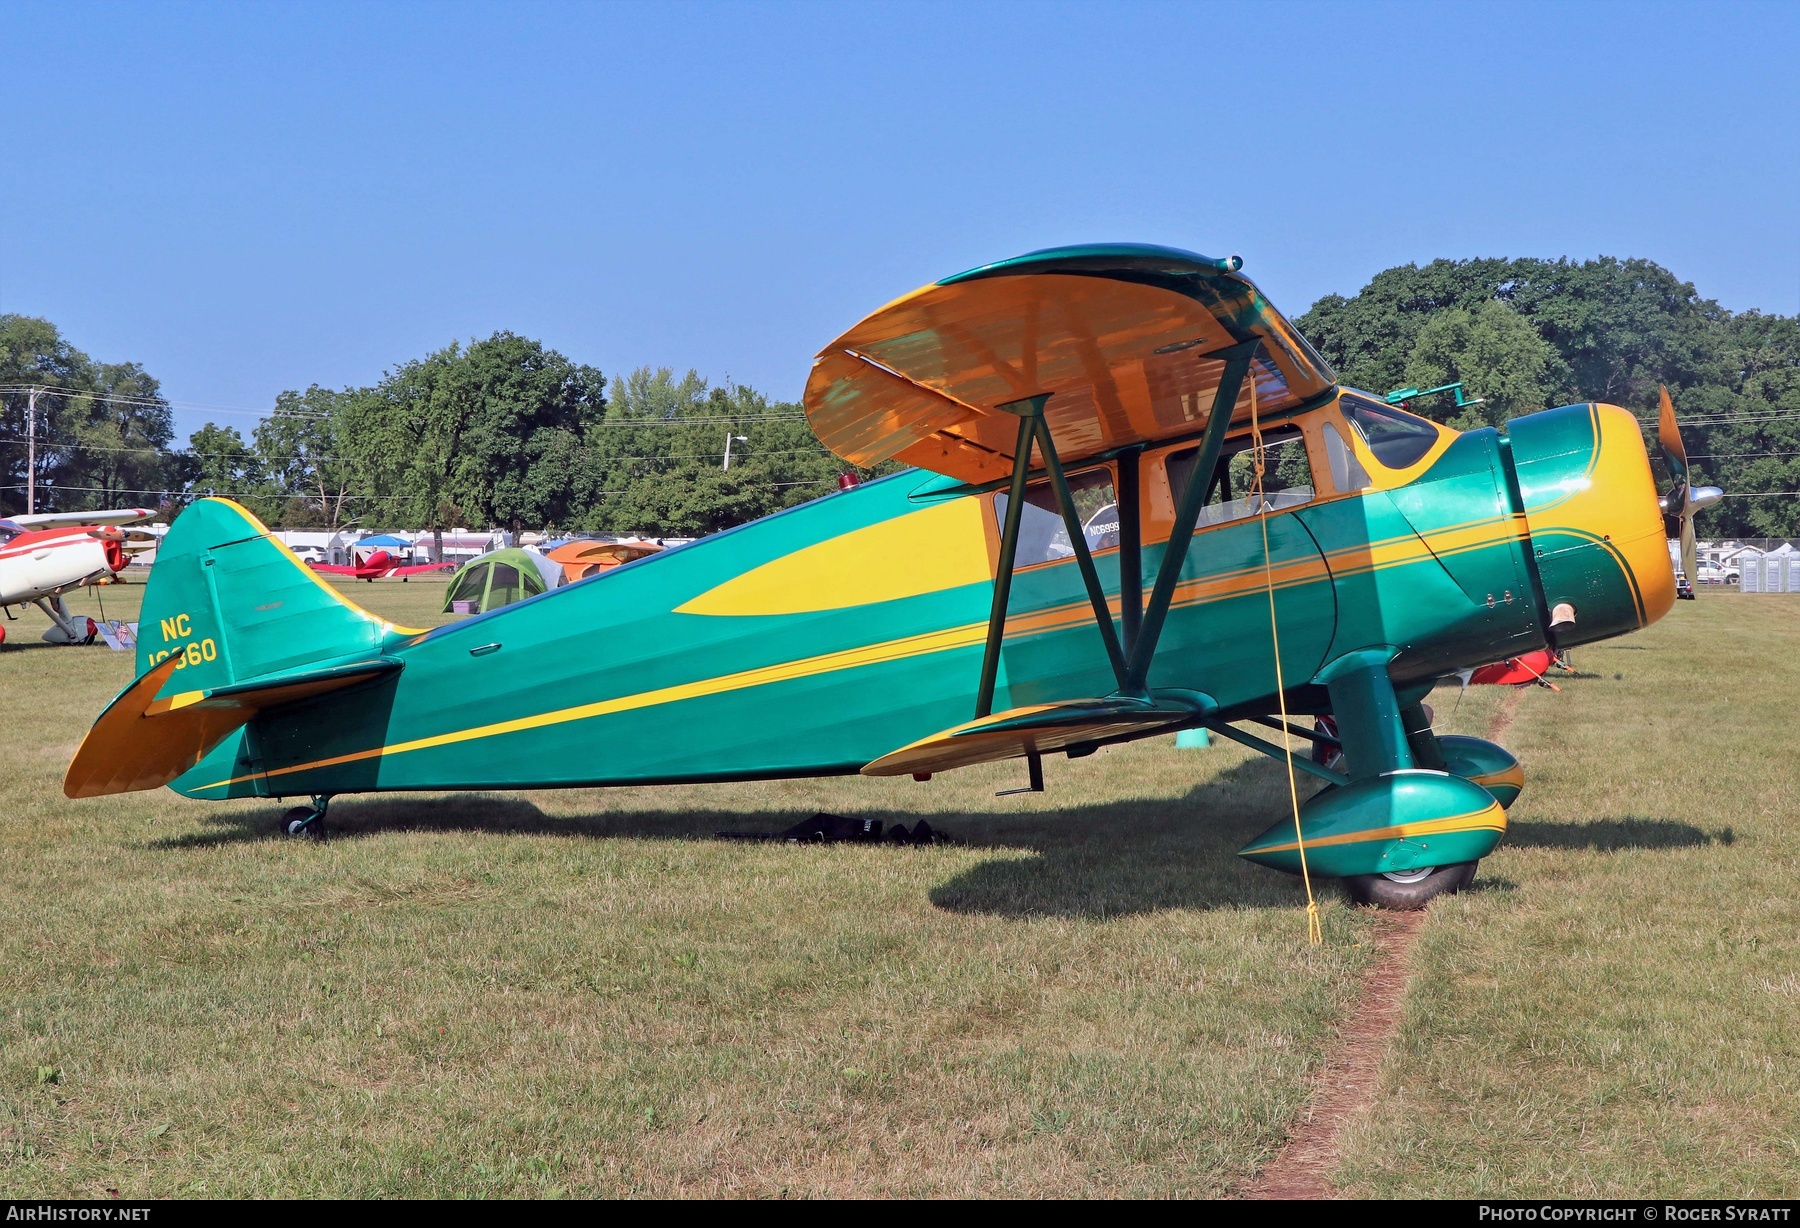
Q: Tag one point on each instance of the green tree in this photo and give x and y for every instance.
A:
(118, 440)
(102, 430)
(656, 464)
(495, 431)
(1497, 355)
(1617, 328)
(34, 354)
(218, 461)
(300, 457)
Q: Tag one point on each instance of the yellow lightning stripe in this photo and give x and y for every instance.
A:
(1493, 818)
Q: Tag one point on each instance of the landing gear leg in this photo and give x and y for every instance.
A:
(66, 628)
(307, 820)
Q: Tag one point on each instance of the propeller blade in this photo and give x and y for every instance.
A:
(1690, 565)
(1668, 433)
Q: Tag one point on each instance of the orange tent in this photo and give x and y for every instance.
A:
(581, 559)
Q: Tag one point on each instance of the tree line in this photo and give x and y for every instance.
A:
(506, 433)
(498, 433)
(1527, 334)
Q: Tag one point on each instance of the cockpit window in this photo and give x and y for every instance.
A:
(8, 531)
(1042, 535)
(1287, 476)
(1397, 438)
(1347, 473)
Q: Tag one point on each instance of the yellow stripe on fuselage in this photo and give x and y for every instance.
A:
(849, 658)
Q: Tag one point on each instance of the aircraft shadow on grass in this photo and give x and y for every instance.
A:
(1614, 835)
(1105, 859)
(1102, 860)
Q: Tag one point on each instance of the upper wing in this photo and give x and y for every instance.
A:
(62, 520)
(1119, 335)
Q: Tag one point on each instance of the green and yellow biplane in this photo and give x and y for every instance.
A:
(1142, 503)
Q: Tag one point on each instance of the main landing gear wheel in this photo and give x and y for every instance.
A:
(304, 821)
(1410, 889)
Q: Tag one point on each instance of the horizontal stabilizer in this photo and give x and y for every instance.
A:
(142, 742)
(1040, 729)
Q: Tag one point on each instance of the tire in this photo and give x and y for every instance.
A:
(295, 823)
(1380, 891)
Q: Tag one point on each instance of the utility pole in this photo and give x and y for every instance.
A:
(31, 452)
(728, 438)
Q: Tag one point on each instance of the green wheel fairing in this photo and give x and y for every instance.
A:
(1492, 767)
(1406, 820)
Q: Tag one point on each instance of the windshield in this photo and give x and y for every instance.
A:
(1397, 438)
(8, 531)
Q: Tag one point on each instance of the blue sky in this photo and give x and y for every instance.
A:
(247, 198)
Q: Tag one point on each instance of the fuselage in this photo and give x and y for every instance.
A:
(819, 639)
(39, 563)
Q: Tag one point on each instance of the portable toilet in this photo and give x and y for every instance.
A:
(1750, 569)
(1775, 569)
(1790, 568)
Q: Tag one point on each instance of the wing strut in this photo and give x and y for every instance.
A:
(1168, 571)
(1143, 625)
(1084, 558)
(1028, 409)
(1032, 427)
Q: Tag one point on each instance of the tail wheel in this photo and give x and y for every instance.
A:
(1410, 889)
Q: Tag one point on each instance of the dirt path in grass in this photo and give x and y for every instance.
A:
(1349, 1081)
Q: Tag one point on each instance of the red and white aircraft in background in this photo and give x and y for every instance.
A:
(380, 565)
(43, 556)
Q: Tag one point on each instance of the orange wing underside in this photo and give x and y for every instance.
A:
(1123, 362)
(1037, 730)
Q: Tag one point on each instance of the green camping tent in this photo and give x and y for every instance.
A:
(499, 578)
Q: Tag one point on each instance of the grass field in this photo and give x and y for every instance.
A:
(580, 993)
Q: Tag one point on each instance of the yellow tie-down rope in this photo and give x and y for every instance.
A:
(1259, 460)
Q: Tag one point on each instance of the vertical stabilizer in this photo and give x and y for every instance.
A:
(233, 603)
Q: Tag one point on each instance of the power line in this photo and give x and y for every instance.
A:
(197, 493)
(1730, 419)
(251, 454)
(280, 414)
(118, 398)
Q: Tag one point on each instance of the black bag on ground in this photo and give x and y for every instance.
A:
(822, 828)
